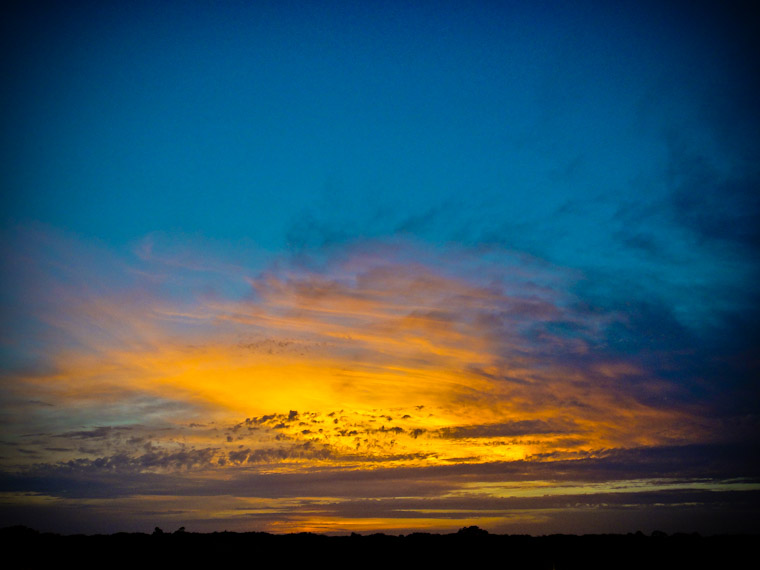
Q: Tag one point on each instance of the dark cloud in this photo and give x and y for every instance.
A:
(467, 507)
(276, 421)
(303, 451)
(712, 174)
(58, 481)
(508, 429)
(155, 459)
(95, 433)
(698, 475)
(715, 206)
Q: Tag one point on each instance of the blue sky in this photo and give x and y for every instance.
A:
(572, 133)
(588, 172)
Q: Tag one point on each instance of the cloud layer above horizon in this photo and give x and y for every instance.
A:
(388, 356)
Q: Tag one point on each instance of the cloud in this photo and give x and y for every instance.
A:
(154, 460)
(377, 326)
(98, 432)
(375, 369)
(713, 204)
(502, 496)
(508, 429)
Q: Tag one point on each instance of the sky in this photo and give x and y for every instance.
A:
(380, 267)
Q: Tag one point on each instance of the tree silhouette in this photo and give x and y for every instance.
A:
(472, 531)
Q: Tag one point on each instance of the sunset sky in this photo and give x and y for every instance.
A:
(380, 266)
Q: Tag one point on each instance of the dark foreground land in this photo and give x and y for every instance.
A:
(468, 548)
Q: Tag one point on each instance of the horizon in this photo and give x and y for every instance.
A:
(465, 532)
(410, 267)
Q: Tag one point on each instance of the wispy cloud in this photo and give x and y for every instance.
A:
(377, 327)
(378, 354)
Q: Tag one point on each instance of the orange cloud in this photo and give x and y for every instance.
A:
(391, 360)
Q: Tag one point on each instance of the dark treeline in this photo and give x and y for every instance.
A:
(467, 547)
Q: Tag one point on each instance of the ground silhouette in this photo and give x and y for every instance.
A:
(470, 546)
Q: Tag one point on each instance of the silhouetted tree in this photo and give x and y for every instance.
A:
(472, 531)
